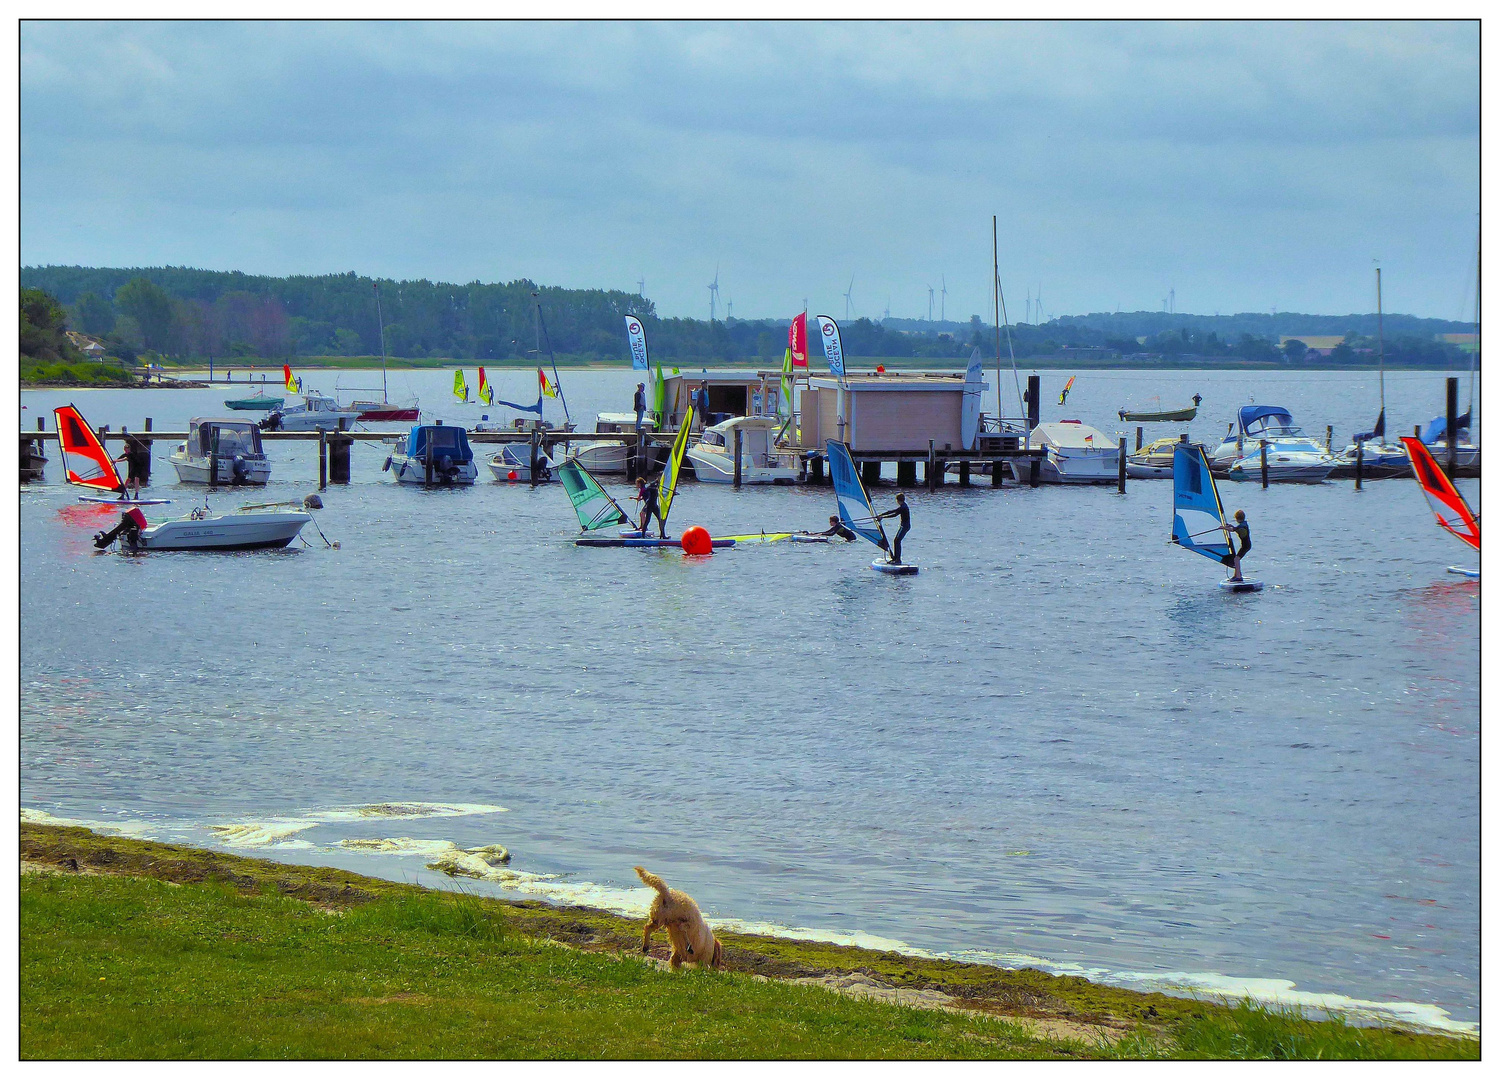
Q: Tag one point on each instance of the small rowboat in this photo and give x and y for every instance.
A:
(258, 403)
(1143, 417)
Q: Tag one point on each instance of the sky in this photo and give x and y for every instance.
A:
(1239, 166)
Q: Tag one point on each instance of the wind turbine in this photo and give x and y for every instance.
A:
(929, 303)
(849, 298)
(713, 296)
(943, 309)
(640, 288)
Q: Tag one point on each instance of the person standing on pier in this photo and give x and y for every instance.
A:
(700, 403)
(640, 406)
(904, 513)
(1240, 531)
(645, 494)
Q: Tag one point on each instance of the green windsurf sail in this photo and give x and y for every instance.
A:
(592, 504)
(668, 489)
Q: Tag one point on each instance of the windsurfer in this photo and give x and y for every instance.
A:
(645, 494)
(137, 458)
(1240, 530)
(837, 528)
(904, 513)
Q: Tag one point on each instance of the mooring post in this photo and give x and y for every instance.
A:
(1329, 441)
(536, 444)
(1122, 463)
(1139, 431)
(1036, 473)
(931, 464)
(338, 467)
(322, 459)
(869, 473)
(815, 462)
(739, 444)
(963, 473)
(997, 473)
(1265, 466)
(1359, 466)
(1033, 401)
(1452, 427)
(213, 461)
(906, 474)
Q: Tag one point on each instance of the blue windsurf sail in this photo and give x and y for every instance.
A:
(1197, 514)
(854, 502)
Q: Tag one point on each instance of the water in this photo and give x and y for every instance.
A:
(1059, 745)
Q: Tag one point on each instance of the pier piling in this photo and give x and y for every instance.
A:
(322, 458)
(1139, 431)
(869, 473)
(213, 462)
(1359, 467)
(1033, 401)
(1265, 466)
(932, 479)
(1328, 442)
(817, 469)
(1122, 458)
(739, 449)
(536, 446)
(906, 474)
(338, 457)
(997, 473)
(1452, 425)
(963, 473)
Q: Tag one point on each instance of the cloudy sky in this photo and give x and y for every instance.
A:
(1247, 166)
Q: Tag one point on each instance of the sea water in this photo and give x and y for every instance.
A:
(1059, 745)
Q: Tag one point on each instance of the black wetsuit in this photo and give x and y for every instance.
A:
(904, 513)
(1241, 532)
(650, 508)
(640, 408)
(840, 530)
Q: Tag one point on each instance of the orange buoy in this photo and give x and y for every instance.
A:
(880, 369)
(696, 541)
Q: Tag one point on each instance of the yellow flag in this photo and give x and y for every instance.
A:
(547, 387)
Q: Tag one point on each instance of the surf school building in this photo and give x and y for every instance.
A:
(886, 413)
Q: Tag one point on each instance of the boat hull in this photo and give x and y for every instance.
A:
(383, 413)
(1103, 468)
(414, 471)
(1158, 417)
(192, 470)
(255, 404)
(1142, 471)
(227, 532)
(1280, 472)
(711, 468)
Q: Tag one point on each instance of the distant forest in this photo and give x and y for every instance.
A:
(193, 314)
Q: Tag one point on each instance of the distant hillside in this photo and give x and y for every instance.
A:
(187, 313)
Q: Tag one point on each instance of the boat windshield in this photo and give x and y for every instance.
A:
(1293, 446)
(712, 438)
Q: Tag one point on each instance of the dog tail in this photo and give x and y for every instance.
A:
(717, 961)
(655, 882)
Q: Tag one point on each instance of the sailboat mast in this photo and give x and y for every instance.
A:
(380, 322)
(1475, 352)
(995, 252)
(1002, 314)
(1380, 330)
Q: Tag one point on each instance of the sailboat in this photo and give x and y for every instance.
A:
(1197, 514)
(1448, 506)
(383, 409)
(666, 494)
(1380, 457)
(86, 462)
(854, 506)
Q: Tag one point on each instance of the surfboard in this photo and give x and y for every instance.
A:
(1242, 586)
(110, 500)
(639, 542)
(1465, 572)
(893, 568)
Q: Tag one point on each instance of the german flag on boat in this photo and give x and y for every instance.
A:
(85, 461)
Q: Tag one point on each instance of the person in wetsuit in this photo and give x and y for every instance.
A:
(904, 513)
(1240, 531)
(646, 495)
(137, 458)
(837, 528)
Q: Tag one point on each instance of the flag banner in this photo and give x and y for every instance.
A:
(637, 335)
(547, 387)
(784, 402)
(796, 339)
(486, 393)
(833, 345)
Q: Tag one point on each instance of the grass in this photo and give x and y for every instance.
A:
(156, 950)
(88, 373)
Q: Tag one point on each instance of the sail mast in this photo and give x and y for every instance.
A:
(1000, 313)
(1380, 330)
(380, 321)
(1475, 352)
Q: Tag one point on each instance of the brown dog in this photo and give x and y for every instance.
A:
(692, 941)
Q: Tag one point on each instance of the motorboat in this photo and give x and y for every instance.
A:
(317, 412)
(243, 530)
(433, 454)
(1255, 423)
(760, 460)
(1288, 460)
(612, 455)
(1381, 459)
(257, 402)
(513, 463)
(1152, 461)
(235, 443)
(1434, 435)
(1158, 414)
(1076, 454)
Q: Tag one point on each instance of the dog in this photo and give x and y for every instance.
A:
(692, 941)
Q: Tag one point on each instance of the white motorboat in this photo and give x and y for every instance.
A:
(513, 463)
(317, 411)
(433, 454)
(760, 461)
(1152, 461)
(1380, 459)
(1076, 454)
(241, 459)
(610, 455)
(1289, 460)
(243, 530)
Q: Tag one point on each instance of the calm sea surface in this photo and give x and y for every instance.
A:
(1059, 745)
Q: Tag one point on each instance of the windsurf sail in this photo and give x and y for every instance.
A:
(659, 400)
(1062, 399)
(1448, 506)
(85, 461)
(460, 386)
(784, 402)
(547, 388)
(1197, 514)
(291, 382)
(486, 392)
(592, 504)
(853, 500)
(668, 488)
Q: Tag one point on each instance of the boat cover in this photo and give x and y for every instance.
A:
(1264, 415)
(1436, 429)
(443, 438)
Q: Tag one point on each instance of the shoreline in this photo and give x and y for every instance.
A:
(883, 970)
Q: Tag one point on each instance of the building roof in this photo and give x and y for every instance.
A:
(1314, 341)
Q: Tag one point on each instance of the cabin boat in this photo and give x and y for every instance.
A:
(611, 456)
(1152, 461)
(317, 412)
(1076, 454)
(1435, 436)
(513, 463)
(1289, 460)
(760, 461)
(1381, 459)
(433, 454)
(241, 458)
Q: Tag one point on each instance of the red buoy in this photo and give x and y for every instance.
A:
(511, 475)
(696, 541)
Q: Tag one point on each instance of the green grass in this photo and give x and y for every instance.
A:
(88, 373)
(168, 951)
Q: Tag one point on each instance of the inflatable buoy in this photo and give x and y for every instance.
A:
(511, 475)
(696, 541)
(880, 369)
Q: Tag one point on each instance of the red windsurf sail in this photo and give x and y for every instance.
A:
(1447, 504)
(85, 460)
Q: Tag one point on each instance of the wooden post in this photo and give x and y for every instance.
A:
(322, 459)
(536, 444)
(1265, 466)
(906, 474)
(213, 461)
(1122, 464)
(1329, 442)
(869, 473)
(338, 468)
(739, 446)
(997, 473)
(931, 464)
(816, 463)
(1359, 467)
(963, 473)
(1033, 401)
(1036, 473)
(1452, 425)
(1139, 431)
